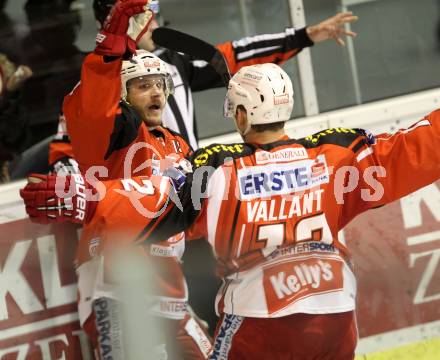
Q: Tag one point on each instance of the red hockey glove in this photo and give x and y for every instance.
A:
(52, 199)
(113, 39)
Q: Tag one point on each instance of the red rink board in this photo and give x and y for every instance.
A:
(396, 253)
(38, 315)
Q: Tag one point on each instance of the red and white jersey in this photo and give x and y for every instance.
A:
(272, 212)
(271, 219)
(109, 139)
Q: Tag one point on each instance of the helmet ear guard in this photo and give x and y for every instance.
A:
(231, 102)
(241, 96)
(144, 63)
(265, 91)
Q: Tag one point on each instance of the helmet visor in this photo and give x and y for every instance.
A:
(148, 82)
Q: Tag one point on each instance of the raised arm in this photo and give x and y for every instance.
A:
(258, 49)
(92, 107)
(279, 47)
(392, 166)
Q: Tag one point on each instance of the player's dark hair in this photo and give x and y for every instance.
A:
(264, 127)
(268, 127)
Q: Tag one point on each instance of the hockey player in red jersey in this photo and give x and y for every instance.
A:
(271, 208)
(114, 118)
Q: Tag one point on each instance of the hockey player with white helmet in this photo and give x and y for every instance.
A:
(142, 65)
(114, 118)
(145, 85)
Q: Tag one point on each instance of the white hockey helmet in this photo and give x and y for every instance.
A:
(143, 63)
(264, 90)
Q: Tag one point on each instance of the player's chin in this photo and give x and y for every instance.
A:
(153, 118)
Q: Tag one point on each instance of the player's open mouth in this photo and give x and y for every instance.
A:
(154, 107)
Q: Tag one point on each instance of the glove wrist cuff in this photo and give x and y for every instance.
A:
(112, 45)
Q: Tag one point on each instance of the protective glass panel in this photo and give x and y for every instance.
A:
(396, 51)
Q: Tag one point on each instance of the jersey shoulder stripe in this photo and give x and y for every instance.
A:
(285, 41)
(215, 155)
(335, 136)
